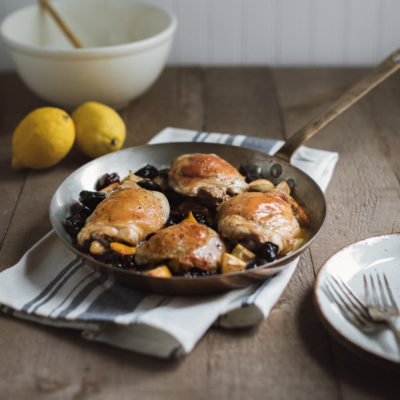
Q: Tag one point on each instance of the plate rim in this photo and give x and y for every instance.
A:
(333, 330)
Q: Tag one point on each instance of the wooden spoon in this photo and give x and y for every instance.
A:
(64, 27)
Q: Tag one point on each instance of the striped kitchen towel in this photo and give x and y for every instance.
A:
(49, 285)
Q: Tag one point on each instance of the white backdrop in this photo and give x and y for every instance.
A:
(273, 32)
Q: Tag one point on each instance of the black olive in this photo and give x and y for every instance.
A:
(74, 223)
(195, 272)
(91, 199)
(250, 172)
(149, 185)
(200, 217)
(268, 251)
(148, 171)
(107, 179)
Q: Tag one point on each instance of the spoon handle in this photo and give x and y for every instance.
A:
(64, 27)
(386, 68)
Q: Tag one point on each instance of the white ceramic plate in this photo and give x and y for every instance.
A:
(380, 253)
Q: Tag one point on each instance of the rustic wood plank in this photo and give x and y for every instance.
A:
(252, 361)
(175, 100)
(363, 196)
(49, 361)
(290, 355)
(15, 101)
(241, 101)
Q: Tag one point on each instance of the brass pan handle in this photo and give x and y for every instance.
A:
(386, 68)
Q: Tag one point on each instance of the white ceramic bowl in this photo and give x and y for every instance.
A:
(126, 44)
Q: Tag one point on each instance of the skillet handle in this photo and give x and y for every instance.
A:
(386, 68)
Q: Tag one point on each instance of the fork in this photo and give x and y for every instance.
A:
(380, 302)
(350, 305)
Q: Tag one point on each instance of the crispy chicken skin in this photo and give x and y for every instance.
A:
(282, 190)
(258, 217)
(128, 214)
(298, 211)
(205, 176)
(183, 246)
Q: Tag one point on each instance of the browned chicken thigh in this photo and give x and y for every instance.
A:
(183, 246)
(258, 218)
(205, 176)
(282, 190)
(128, 214)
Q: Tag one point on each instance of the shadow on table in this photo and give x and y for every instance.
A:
(354, 370)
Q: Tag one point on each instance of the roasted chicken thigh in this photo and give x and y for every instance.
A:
(257, 218)
(183, 246)
(206, 177)
(282, 190)
(128, 214)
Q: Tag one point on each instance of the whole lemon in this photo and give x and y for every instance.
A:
(42, 139)
(99, 129)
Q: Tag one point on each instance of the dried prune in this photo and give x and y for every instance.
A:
(268, 251)
(200, 217)
(174, 198)
(117, 260)
(128, 261)
(195, 272)
(251, 264)
(79, 208)
(149, 185)
(175, 216)
(148, 171)
(110, 257)
(107, 179)
(250, 172)
(91, 199)
(261, 261)
(74, 223)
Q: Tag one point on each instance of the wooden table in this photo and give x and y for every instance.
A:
(290, 355)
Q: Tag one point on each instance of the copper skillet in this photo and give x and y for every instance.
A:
(276, 168)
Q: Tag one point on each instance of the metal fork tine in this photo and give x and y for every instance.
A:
(374, 291)
(384, 300)
(346, 310)
(352, 297)
(366, 291)
(390, 293)
(380, 309)
(352, 311)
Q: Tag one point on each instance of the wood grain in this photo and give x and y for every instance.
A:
(245, 101)
(362, 197)
(290, 355)
(349, 97)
